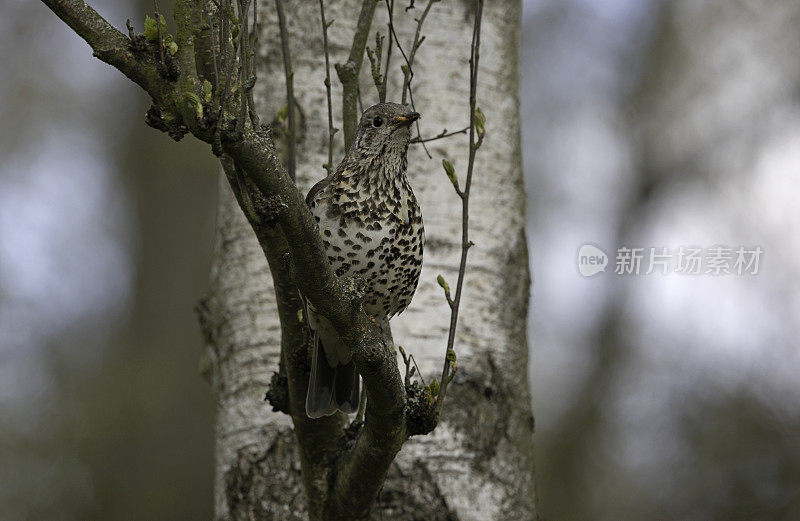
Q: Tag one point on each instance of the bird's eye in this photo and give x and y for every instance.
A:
(377, 121)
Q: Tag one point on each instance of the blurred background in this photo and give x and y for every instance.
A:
(645, 123)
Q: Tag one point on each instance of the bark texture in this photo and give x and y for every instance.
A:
(478, 463)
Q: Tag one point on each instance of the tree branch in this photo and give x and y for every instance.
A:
(407, 68)
(375, 64)
(331, 130)
(287, 67)
(254, 119)
(316, 438)
(443, 134)
(384, 86)
(349, 72)
(157, 15)
(408, 72)
(206, 47)
(476, 125)
(384, 430)
(185, 22)
(109, 44)
(244, 40)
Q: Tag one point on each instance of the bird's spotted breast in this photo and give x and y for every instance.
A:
(376, 235)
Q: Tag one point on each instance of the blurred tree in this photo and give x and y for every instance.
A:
(656, 131)
(109, 418)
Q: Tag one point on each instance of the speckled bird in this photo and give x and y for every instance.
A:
(372, 228)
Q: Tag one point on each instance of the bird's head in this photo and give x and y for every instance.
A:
(384, 128)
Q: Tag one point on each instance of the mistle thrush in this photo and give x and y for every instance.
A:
(371, 226)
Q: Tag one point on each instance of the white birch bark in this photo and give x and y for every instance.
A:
(478, 463)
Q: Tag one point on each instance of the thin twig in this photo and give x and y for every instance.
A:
(232, 63)
(448, 370)
(382, 93)
(243, 64)
(287, 68)
(213, 51)
(414, 361)
(419, 132)
(408, 74)
(331, 130)
(244, 8)
(160, 39)
(418, 39)
(393, 34)
(221, 94)
(443, 134)
(409, 370)
(411, 367)
(225, 34)
(251, 79)
(375, 56)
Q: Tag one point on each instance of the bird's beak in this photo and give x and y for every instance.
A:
(405, 120)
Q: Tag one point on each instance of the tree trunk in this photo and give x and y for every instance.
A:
(478, 463)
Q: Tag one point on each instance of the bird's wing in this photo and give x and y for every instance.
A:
(317, 189)
(323, 183)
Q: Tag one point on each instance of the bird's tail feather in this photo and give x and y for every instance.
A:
(345, 390)
(330, 388)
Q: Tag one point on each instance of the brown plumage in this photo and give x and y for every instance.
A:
(372, 229)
